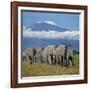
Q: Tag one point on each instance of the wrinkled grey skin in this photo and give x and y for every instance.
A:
(28, 55)
(60, 54)
(48, 54)
(64, 55)
(38, 55)
(25, 56)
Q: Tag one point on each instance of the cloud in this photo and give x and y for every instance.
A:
(28, 33)
(26, 29)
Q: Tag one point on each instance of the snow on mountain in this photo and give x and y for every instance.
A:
(46, 25)
(49, 22)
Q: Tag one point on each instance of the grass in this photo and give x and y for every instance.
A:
(45, 70)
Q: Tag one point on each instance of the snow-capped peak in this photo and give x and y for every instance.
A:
(49, 22)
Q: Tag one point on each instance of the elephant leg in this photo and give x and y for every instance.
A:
(34, 59)
(68, 62)
(73, 64)
(30, 59)
(54, 61)
(72, 60)
(51, 59)
(57, 61)
(47, 61)
(62, 61)
(27, 60)
(41, 59)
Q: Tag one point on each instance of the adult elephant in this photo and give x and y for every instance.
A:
(60, 54)
(28, 55)
(38, 55)
(48, 55)
(64, 54)
(25, 57)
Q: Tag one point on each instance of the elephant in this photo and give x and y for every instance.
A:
(28, 55)
(47, 54)
(64, 55)
(38, 55)
(25, 57)
(60, 54)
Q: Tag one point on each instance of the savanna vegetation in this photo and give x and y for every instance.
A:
(29, 70)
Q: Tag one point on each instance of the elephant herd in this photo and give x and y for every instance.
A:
(52, 55)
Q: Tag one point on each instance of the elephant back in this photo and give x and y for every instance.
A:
(60, 50)
(49, 50)
(39, 50)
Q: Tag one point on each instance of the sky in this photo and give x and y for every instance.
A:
(69, 21)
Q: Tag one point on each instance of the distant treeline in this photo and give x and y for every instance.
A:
(75, 52)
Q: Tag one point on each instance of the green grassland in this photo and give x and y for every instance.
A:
(29, 70)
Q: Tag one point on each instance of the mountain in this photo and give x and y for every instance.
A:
(46, 25)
